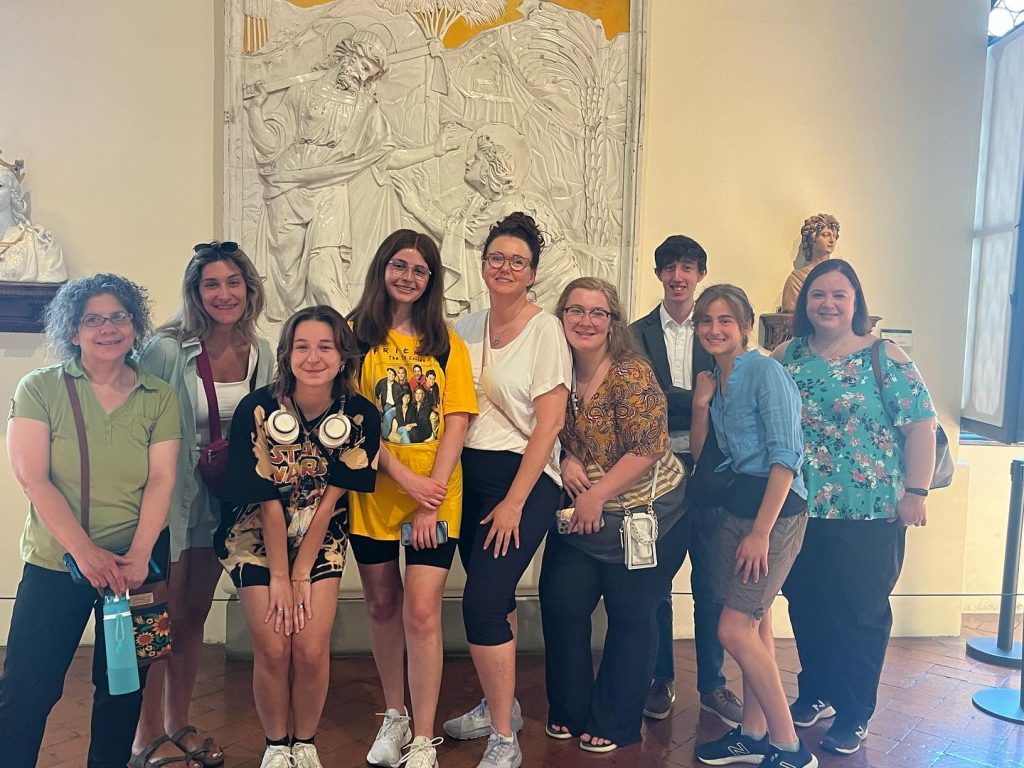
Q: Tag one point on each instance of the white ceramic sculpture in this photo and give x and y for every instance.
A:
(27, 253)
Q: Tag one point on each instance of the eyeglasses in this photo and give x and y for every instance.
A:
(227, 246)
(576, 313)
(97, 321)
(497, 260)
(401, 269)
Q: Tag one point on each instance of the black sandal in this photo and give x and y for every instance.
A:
(201, 754)
(145, 758)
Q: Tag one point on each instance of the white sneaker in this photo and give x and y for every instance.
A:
(305, 756)
(278, 757)
(477, 722)
(422, 753)
(502, 752)
(392, 736)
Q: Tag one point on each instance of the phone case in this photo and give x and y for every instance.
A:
(442, 533)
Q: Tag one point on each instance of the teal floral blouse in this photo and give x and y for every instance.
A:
(853, 455)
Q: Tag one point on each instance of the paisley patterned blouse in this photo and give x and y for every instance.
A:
(853, 449)
(627, 414)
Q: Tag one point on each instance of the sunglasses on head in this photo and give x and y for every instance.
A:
(226, 247)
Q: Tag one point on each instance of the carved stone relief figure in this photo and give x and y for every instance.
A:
(323, 134)
(27, 253)
(818, 238)
(317, 136)
(497, 164)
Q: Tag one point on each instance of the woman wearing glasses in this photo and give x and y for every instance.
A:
(617, 456)
(93, 325)
(210, 342)
(521, 368)
(399, 323)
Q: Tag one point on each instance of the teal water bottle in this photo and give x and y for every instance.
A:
(119, 640)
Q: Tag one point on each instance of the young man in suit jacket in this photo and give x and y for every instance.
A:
(667, 338)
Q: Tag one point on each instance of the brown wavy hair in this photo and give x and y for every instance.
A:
(737, 300)
(622, 345)
(283, 383)
(191, 320)
(372, 315)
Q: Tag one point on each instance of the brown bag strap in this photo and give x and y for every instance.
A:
(83, 446)
(483, 368)
(206, 374)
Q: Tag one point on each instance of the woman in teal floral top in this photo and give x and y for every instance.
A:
(868, 460)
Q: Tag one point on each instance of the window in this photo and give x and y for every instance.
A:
(992, 402)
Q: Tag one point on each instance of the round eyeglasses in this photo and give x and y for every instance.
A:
(401, 269)
(497, 260)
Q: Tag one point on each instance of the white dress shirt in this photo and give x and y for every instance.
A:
(679, 347)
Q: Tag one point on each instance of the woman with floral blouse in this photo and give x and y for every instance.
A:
(617, 456)
(868, 460)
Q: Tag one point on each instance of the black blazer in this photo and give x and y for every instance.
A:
(649, 334)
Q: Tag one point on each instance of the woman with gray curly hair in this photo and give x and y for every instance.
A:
(108, 513)
(818, 237)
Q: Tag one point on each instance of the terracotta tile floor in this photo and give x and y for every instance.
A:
(924, 718)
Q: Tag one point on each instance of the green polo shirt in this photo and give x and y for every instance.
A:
(118, 454)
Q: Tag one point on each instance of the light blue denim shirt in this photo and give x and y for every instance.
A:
(758, 420)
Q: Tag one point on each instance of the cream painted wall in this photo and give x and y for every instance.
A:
(988, 506)
(756, 115)
(111, 104)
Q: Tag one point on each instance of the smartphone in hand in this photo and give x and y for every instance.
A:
(442, 533)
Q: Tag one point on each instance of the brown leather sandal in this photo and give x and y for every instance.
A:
(201, 754)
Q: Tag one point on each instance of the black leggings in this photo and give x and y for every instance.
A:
(490, 592)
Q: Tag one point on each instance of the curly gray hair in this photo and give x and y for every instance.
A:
(64, 313)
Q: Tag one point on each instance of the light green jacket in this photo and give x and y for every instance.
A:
(195, 512)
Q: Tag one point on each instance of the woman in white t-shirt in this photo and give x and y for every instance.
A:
(522, 370)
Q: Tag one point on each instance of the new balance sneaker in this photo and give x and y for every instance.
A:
(394, 734)
(658, 704)
(422, 753)
(278, 756)
(843, 739)
(723, 703)
(806, 711)
(305, 755)
(734, 747)
(501, 752)
(778, 758)
(477, 722)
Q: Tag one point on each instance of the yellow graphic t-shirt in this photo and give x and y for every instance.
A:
(413, 393)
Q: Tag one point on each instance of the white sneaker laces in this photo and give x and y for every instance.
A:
(418, 753)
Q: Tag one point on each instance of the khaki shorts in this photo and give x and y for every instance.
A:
(784, 542)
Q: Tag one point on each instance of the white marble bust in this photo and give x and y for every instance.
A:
(27, 253)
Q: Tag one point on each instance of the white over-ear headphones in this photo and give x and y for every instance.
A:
(283, 426)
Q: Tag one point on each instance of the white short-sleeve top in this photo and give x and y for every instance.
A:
(534, 363)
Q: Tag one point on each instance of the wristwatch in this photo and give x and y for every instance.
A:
(917, 491)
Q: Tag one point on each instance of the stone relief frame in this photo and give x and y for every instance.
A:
(555, 105)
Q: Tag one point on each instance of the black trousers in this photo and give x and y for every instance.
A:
(50, 614)
(838, 593)
(703, 549)
(490, 591)
(610, 705)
